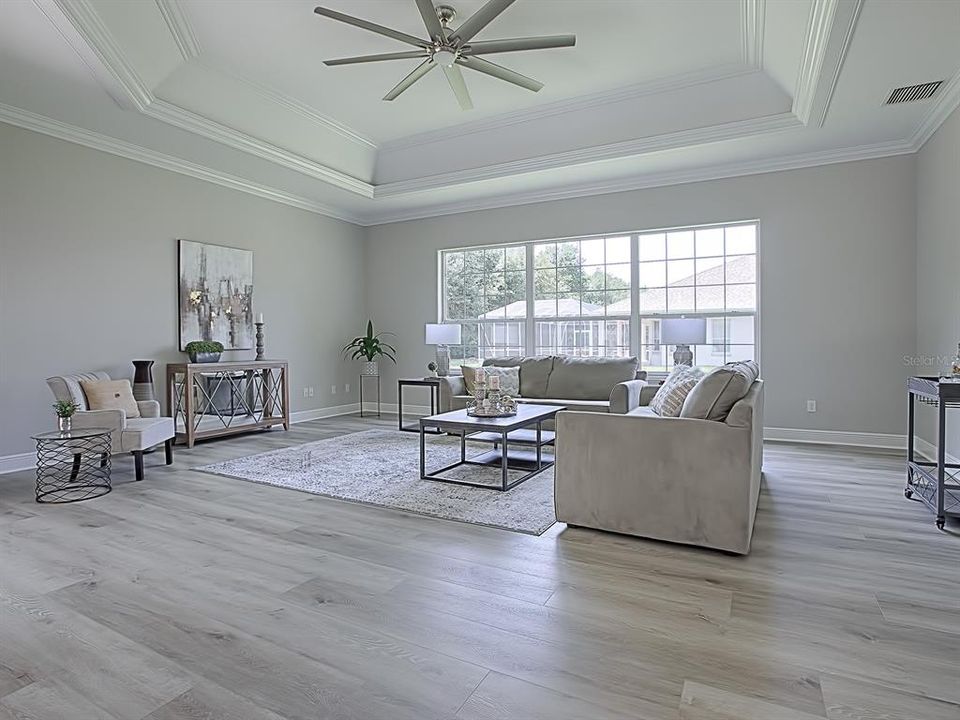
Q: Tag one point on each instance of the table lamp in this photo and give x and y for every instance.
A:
(683, 332)
(442, 335)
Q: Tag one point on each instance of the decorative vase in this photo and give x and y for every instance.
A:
(143, 380)
(64, 424)
(204, 357)
(371, 367)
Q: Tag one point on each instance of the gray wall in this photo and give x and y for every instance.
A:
(938, 260)
(838, 277)
(88, 274)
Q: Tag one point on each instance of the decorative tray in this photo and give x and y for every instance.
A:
(472, 412)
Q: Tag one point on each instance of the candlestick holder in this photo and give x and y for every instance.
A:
(259, 340)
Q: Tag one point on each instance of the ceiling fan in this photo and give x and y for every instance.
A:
(451, 48)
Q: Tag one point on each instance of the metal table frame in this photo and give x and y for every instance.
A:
(434, 385)
(73, 465)
(501, 432)
(935, 484)
(360, 386)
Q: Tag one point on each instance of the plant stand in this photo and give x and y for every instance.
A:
(369, 377)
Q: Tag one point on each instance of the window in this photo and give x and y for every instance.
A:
(601, 296)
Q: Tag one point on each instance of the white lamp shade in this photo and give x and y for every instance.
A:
(683, 331)
(442, 334)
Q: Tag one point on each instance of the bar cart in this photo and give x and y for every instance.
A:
(935, 484)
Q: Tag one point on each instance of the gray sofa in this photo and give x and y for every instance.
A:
(591, 384)
(681, 479)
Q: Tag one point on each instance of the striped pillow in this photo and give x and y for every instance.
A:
(669, 398)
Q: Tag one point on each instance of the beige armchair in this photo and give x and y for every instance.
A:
(677, 479)
(130, 435)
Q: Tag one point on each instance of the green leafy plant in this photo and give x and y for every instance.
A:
(65, 408)
(203, 346)
(370, 346)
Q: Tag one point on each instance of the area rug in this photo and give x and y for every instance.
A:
(382, 467)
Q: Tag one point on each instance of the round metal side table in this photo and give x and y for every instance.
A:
(73, 465)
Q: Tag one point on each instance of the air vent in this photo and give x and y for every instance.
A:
(911, 93)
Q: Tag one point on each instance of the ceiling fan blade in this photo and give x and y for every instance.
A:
(487, 47)
(408, 55)
(500, 72)
(372, 27)
(459, 87)
(421, 70)
(430, 18)
(480, 19)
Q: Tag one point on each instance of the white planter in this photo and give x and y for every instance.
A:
(370, 368)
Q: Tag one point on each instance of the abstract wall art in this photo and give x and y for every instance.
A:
(216, 295)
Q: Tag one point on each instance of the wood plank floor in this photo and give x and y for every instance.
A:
(193, 596)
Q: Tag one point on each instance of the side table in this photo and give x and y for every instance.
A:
(434, 385)
(935, 484)
(73, 465)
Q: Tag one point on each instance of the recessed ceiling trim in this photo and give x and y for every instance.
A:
(752, 21)
(640, 146)
(665, 179)
(97, 141)
(593, 100)
(296, 106)
(180, 28)
(946, 101)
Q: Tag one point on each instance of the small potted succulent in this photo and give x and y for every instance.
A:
(370, 346)
(65, 410)
(204, 351)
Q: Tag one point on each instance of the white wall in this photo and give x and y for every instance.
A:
(88, 275)
(938, 263)
(837, 266)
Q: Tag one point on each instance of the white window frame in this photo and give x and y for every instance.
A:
(635, 317)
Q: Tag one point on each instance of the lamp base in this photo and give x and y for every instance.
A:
(443, 360)
(683, 355)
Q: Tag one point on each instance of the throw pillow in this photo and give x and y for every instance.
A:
(509, 379)
(110, 395)
(719, 390)
(469, 378)
(669, 398)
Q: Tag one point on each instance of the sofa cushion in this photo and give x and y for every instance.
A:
(670, 397)
(719, 390)
(569, 404)
(589, 378)
(110, 395)
(534, 372)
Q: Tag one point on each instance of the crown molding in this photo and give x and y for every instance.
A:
(752, 25)
(945, 103)
(665, 179)
(62, 131)
(823, 57)
(294, 105)
(640, 146)
(559, 107)
(180, 28)
(95, 34)
(199, 125)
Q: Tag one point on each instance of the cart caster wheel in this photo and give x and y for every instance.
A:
(907, 493)
(940, 523)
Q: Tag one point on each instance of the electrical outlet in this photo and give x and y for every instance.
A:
(811, 405)
(311, 391)
(346, 388)
(306, 392)
(333, 389)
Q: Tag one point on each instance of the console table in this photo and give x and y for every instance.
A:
(259, 393)
(935, 484)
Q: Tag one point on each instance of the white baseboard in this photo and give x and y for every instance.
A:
(16, 463)
(883, 441)
(320, 413)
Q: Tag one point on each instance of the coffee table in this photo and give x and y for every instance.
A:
(518, 443)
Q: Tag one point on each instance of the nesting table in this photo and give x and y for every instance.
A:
(73, 465)
(518, 443)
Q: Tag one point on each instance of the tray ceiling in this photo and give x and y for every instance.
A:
(654, 92)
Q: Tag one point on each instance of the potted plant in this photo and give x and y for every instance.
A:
(204, 351)
(370, 346)
(65, 410)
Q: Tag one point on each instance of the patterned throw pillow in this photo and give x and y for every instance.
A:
(669, 398)
(509, 378)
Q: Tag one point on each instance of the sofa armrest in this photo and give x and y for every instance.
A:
(625, 396)
(112, 419)
(149, 408)
(450, 385)
(676, 479)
